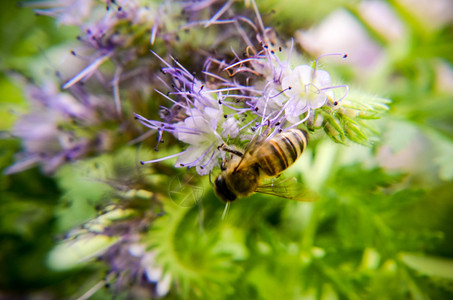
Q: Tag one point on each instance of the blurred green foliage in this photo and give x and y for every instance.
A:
(374, 232)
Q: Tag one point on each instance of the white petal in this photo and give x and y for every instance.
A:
(303, 73)
(136, 249)
(164, 285)
(297, 80)
(208, 164)
(192, 130)
(196, 122)
(213, 115)
(148, 259)
(230, 128)
(318, 101)
(192, 153)
(322, 79)
(153, 274)
(296, 109)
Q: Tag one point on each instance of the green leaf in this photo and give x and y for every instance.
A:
(429, 265)
(400, 134)
(444, 157)
(72, 253)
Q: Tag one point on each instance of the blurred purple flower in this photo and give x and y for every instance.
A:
(57, 128)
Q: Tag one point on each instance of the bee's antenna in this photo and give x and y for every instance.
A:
(225, 211)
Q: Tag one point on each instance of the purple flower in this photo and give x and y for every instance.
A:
(286, 94)
(115, 237)
(67, 12)
(56, 130)
(152, 271)
(307, 89)
(204, 126)
(205, 118)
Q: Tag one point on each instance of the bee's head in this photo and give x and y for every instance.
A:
(222, 189)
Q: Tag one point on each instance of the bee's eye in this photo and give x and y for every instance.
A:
(222, 189)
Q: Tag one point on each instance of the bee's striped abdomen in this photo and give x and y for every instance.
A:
(282, 151)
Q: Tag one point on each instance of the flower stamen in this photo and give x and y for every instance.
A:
(162, 158)
(315, 67)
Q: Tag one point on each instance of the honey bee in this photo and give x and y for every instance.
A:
(263, 158)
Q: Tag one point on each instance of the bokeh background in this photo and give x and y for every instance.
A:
(380, 226)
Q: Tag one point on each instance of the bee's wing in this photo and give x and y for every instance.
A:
(249, 159)
(287, 188)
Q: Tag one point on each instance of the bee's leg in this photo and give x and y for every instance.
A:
(233, 151)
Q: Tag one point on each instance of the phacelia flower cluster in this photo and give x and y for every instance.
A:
(259, 90)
